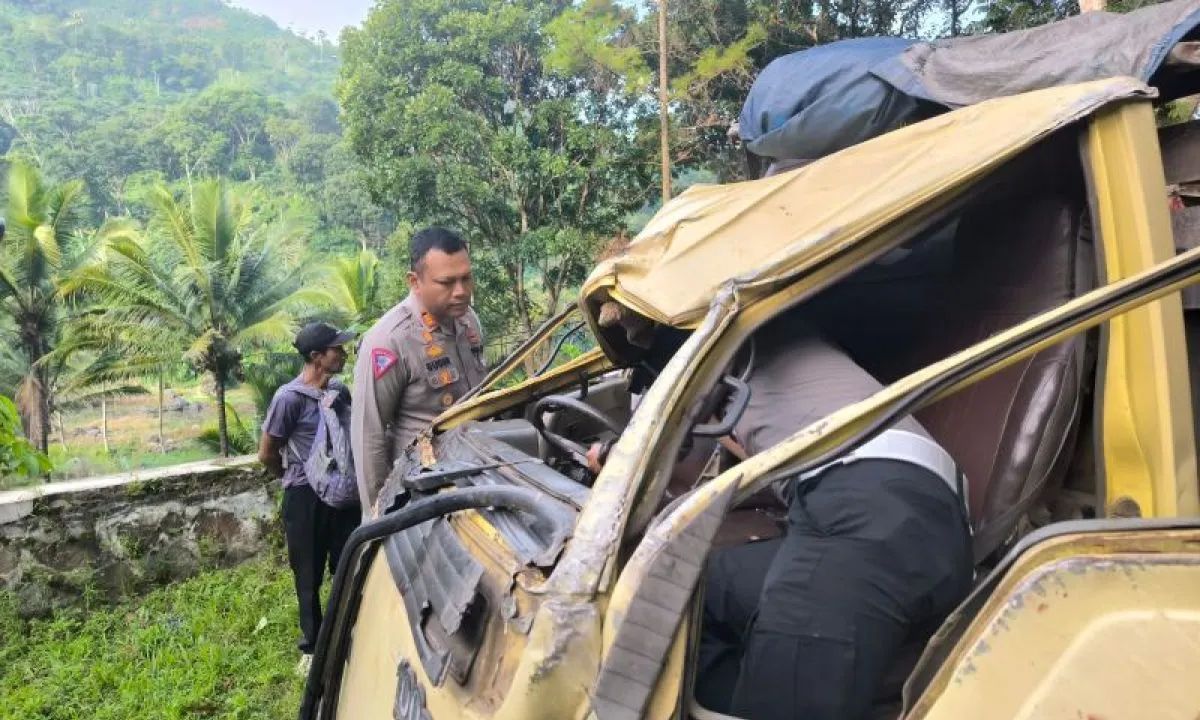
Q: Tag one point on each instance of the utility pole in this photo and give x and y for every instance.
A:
(664, 121)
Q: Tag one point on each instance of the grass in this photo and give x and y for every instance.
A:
(221, 645)
(133, 433)
(90, 460)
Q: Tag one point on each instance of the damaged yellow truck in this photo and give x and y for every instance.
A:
(1014, 271)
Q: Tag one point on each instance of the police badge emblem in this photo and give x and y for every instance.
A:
(381, 361)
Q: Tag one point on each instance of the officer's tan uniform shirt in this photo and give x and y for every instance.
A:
(799, 378)
(409, 370)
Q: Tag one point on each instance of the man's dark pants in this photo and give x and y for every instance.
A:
(877, 553)
(316, 534)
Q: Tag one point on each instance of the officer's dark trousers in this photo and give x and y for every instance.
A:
(315, 534)
(877, 552)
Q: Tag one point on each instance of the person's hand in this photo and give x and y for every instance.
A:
(594, 461)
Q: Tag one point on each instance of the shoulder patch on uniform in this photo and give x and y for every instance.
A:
(382, 360)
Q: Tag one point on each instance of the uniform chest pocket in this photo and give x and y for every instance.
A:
(440, 372)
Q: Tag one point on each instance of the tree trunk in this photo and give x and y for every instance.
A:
(516, 277)
(222, 423)
(43, 405)
(162, 441)
(104, 421)
(44, 420)
(523, 310)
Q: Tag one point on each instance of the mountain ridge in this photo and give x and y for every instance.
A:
(129, 94)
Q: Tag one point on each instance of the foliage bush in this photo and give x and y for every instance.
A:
(263, 378)
(242, 440)
(218, 645)
(18, 458)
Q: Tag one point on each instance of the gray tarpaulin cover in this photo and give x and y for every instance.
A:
(967, 70)
(815, 102)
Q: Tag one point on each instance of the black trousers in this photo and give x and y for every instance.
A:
(877, 553)
(316, 534)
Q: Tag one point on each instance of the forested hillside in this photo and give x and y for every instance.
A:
(127, 93)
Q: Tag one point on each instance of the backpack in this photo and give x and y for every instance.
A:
(329, 467)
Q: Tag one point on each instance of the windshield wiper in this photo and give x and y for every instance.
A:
(558, 348)
(434, 479)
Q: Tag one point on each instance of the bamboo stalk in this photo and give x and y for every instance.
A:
(62, 433)
(162, 441)
(664, 120)
(104, 422)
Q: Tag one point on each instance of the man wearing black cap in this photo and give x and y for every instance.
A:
(315, 530)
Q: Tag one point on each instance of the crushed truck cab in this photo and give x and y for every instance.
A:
(1008, 269)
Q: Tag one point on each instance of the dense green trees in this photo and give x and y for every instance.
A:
(205, 281)
(134, 105)
(126, 94)
(456, 118)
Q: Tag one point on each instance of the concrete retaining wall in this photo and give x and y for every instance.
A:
(114, 536)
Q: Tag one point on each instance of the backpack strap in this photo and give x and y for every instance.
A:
(336, 433)
(306, 390)
(321, 436)
(311, 393)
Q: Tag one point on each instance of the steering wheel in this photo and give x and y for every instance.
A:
(576, 450)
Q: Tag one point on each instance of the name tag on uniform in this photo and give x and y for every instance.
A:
(432, 366)
(443, 375)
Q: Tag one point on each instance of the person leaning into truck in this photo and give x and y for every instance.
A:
(877, 549)
(417, 360)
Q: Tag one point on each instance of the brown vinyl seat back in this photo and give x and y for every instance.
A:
(1019, 247)
(1013, 433)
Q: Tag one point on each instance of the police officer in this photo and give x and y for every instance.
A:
(417, 360)
(877, 551)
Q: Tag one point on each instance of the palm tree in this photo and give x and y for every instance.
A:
(45, 243)
(100, 362)
(88, 378)
(204, 274)
(12, 361)
(351, 286)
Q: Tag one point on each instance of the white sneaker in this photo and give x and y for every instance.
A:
(304, 665)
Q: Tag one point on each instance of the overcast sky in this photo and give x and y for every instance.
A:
(311, 15)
